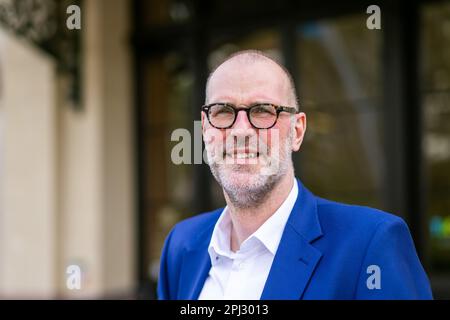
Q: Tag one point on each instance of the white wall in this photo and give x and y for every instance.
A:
(67, 185)
(27, 213)
(97, 158)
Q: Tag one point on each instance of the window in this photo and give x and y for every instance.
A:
(436, 139)
(339, 71)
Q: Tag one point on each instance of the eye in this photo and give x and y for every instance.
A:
(263, 109)
(218, 110)
(224, 110)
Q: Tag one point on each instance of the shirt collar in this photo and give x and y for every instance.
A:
(220, 239)
(269, 233)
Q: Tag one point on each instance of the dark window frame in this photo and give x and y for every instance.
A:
(404, 181)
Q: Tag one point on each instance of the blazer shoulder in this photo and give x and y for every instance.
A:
(353, 216)
(189, 229)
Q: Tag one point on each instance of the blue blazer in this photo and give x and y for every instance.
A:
(328, 250)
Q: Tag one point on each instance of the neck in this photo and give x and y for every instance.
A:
(246, 221)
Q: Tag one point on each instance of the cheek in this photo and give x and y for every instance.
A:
(276, 137)
(213, 136)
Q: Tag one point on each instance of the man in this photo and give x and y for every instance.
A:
(275, 239)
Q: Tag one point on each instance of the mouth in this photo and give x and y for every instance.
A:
(242, 154)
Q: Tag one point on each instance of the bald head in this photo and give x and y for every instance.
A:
(250, 68)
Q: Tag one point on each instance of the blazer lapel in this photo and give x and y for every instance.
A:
(196, 265)
(296, 259)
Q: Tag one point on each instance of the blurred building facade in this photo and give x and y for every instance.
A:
(86, 176)
(67, 176)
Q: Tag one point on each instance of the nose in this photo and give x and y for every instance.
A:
(242, 126)
(242, 121)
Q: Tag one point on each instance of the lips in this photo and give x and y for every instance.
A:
(246, 155)
(240, 154)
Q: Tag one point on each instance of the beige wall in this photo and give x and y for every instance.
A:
(28, 211)
(97, 158)
(69, 193)
(118, 149)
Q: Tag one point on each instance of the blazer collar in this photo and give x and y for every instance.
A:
(196, 263)
(294, 261)
(304, 218)
(296, 258)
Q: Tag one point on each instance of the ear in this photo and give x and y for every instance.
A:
(203, 121)
(299, 131)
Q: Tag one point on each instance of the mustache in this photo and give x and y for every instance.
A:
(221, 152)
(247, 145)
(269, 156)
(226, 148)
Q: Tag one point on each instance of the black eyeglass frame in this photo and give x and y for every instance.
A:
(278, 109)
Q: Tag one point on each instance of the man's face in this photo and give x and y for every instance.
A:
(244, 85)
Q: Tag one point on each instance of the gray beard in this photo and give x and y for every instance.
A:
(247, 196)
(252, 195)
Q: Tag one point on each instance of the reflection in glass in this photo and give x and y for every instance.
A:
(436, 106)
(339, 90)
(166, 187)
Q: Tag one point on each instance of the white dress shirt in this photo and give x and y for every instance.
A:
(241, 275)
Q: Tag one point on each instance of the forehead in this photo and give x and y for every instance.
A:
(244, 82)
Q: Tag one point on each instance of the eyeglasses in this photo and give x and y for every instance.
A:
(260, 115)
